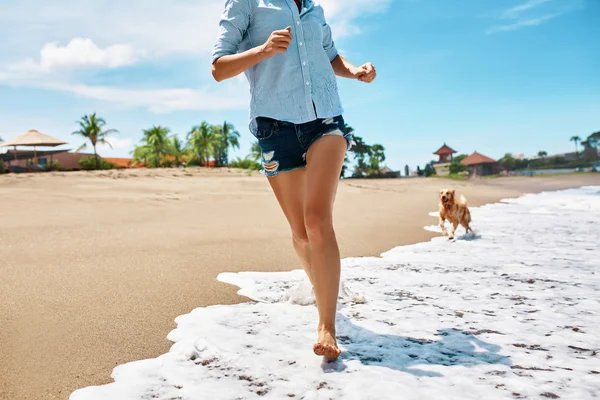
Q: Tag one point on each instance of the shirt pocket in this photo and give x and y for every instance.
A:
(313, 26)
(267, 19)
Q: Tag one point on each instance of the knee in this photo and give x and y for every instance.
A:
(300, 237)
(319, 224)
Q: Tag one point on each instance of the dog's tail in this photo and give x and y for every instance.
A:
(463, 200)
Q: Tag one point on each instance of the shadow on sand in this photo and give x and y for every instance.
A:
(403, 353)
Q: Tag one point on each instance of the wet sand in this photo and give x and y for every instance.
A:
(95, 267)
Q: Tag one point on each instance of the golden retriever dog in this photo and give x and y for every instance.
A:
(455, 211)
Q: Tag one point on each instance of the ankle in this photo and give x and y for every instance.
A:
(329, 328)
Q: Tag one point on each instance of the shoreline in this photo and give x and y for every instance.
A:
(150, 270)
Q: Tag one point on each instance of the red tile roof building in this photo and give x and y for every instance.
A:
(477, 158)
(481, 165)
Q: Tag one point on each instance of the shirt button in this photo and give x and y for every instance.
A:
(303, 62)
(307, 83)
(300, 43)
(297, 22)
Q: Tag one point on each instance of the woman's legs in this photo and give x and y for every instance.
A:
(324, 161)
(306, 197)
(290, 189)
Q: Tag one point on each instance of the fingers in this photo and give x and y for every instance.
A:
(368, 73)
(361, 75)
(280, 40)
(287, 32)
(367, 78)
(281, 44)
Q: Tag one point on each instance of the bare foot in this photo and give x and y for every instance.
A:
(326, 345)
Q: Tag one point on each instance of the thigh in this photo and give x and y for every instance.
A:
(315, 130)
(290, 189)
(324, 160)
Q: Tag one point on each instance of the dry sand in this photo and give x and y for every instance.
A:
(94, 267)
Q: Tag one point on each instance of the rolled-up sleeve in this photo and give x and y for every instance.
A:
(328, 44)
(232, 27)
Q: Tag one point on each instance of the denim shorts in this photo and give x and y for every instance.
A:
(284, 145)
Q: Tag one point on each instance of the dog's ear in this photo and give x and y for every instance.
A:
(452, 191)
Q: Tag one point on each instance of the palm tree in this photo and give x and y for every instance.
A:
(255, 152)
(156, 139)
(360, 150)
(204, 141)
(576, 139)
(177, 149)
(229, 138)
(142, 155)
(376, 157)
(542, 153)
(91, 128)
(594, 139)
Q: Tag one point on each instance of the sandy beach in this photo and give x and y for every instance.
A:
(96, 266)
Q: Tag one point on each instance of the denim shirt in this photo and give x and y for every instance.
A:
(297, 86)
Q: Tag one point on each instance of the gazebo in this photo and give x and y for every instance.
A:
(445, 153)
(33, 139)
(442, 166)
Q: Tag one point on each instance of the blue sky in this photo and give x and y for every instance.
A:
(491, 76)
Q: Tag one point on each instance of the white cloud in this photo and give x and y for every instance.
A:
(523, 15)
(521, 24)
(79, 52)
(516, 10)
(341, 14)
(114, 33)
(232, 95)
(159, 27)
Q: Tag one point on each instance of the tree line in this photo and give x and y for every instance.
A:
(592, 141)
(160, 148)
(590, 154)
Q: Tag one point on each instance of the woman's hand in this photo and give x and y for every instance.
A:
(278, 42)
(365, 73)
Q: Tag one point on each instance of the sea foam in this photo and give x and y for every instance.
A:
(511, 312)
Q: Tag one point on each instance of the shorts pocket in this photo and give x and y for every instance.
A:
(265, 128)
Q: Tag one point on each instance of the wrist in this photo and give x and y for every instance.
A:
(261, 52)
(354, 72)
